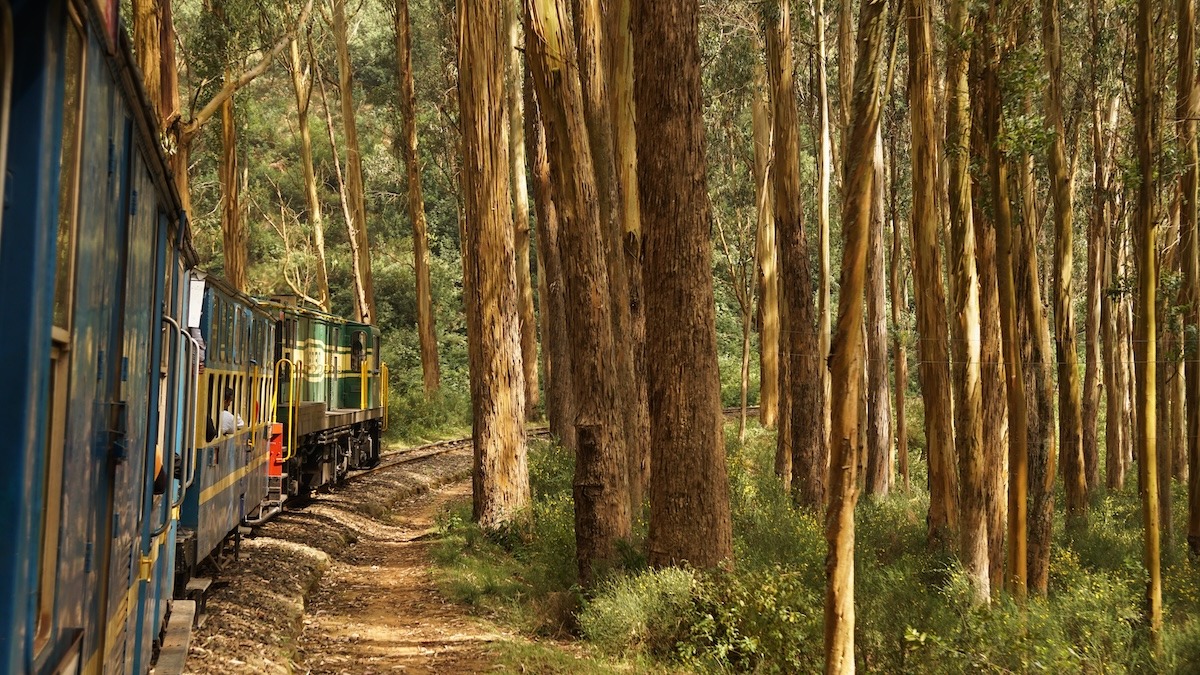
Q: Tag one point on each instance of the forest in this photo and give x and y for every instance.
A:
(866, 333)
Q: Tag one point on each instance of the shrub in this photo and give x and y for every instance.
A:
(764, 621)
(646, 612)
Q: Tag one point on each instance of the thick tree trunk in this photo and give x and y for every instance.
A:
(879, 417)
(1147, 285)
(768, 257)
(147, 46)
(847, 357)
(516, 160)
(805, 369)
(501, 473)
(1187, 107)
(1062, 182)
(601, 483)
(620, 75)
(235, 239)
(364, 287)
(303, 88)
(965, 328)
(689, 491)
(560, 400)
(931, 298)
(592, 50)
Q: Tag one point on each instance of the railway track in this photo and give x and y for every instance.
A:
(410, 455)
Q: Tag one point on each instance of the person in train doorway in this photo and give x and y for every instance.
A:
(230, 423)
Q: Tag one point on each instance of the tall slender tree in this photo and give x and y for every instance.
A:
(800, 343)
(848, 353)
(768, 257)
(302, 85)
(1147, 284)
(360, 249)
(1187, 107)
(1070, 413)
(689, 492)
(520, 192)
(965, 328)
(620, 75)
(430, 370)
(930, 293)
(996, 41)
(593, 75)
(501, 473)
(560, 397)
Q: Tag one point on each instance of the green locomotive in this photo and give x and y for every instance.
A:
(331, 398)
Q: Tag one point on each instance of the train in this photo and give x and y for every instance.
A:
(151, 412)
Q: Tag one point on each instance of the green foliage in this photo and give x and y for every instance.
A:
(765, 621)
(646, 612)
(914, 605)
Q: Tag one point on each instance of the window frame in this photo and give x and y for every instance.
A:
(75, 32)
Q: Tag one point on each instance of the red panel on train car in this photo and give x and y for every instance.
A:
(275, 466)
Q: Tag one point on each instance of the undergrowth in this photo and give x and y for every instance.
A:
(765, 614)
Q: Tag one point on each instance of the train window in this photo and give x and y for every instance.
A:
(358, 350)
(377, 355)
(61, 326)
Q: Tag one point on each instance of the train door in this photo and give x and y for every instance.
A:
(54, 643)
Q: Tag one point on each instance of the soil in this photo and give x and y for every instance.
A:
(343, 585)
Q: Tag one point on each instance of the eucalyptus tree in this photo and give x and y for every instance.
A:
(601, 489)
(848, 348)
(501, 474)
(1187, 108)
(966, 326)
(556, 355)
(802, 376)
(1145, 347)
(690, 518)
(430, 369)
(930, 294)
(1070, 413)
(360, 246)
(514, 85)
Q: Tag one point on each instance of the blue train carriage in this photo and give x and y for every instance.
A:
(94, 251)
(232, 421)
(332, 395)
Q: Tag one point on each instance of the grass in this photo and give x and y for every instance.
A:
(914, 605)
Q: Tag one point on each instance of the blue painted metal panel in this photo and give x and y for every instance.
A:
(27, 265)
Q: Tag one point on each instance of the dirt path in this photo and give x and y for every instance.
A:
(343, 585)
(377, 609)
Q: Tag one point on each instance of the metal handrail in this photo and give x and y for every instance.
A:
(291, 449)
(190, 421)
(385, 393)
(168, 498)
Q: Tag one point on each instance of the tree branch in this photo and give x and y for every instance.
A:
(231, 86)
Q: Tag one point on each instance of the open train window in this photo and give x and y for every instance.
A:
(60, 349)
